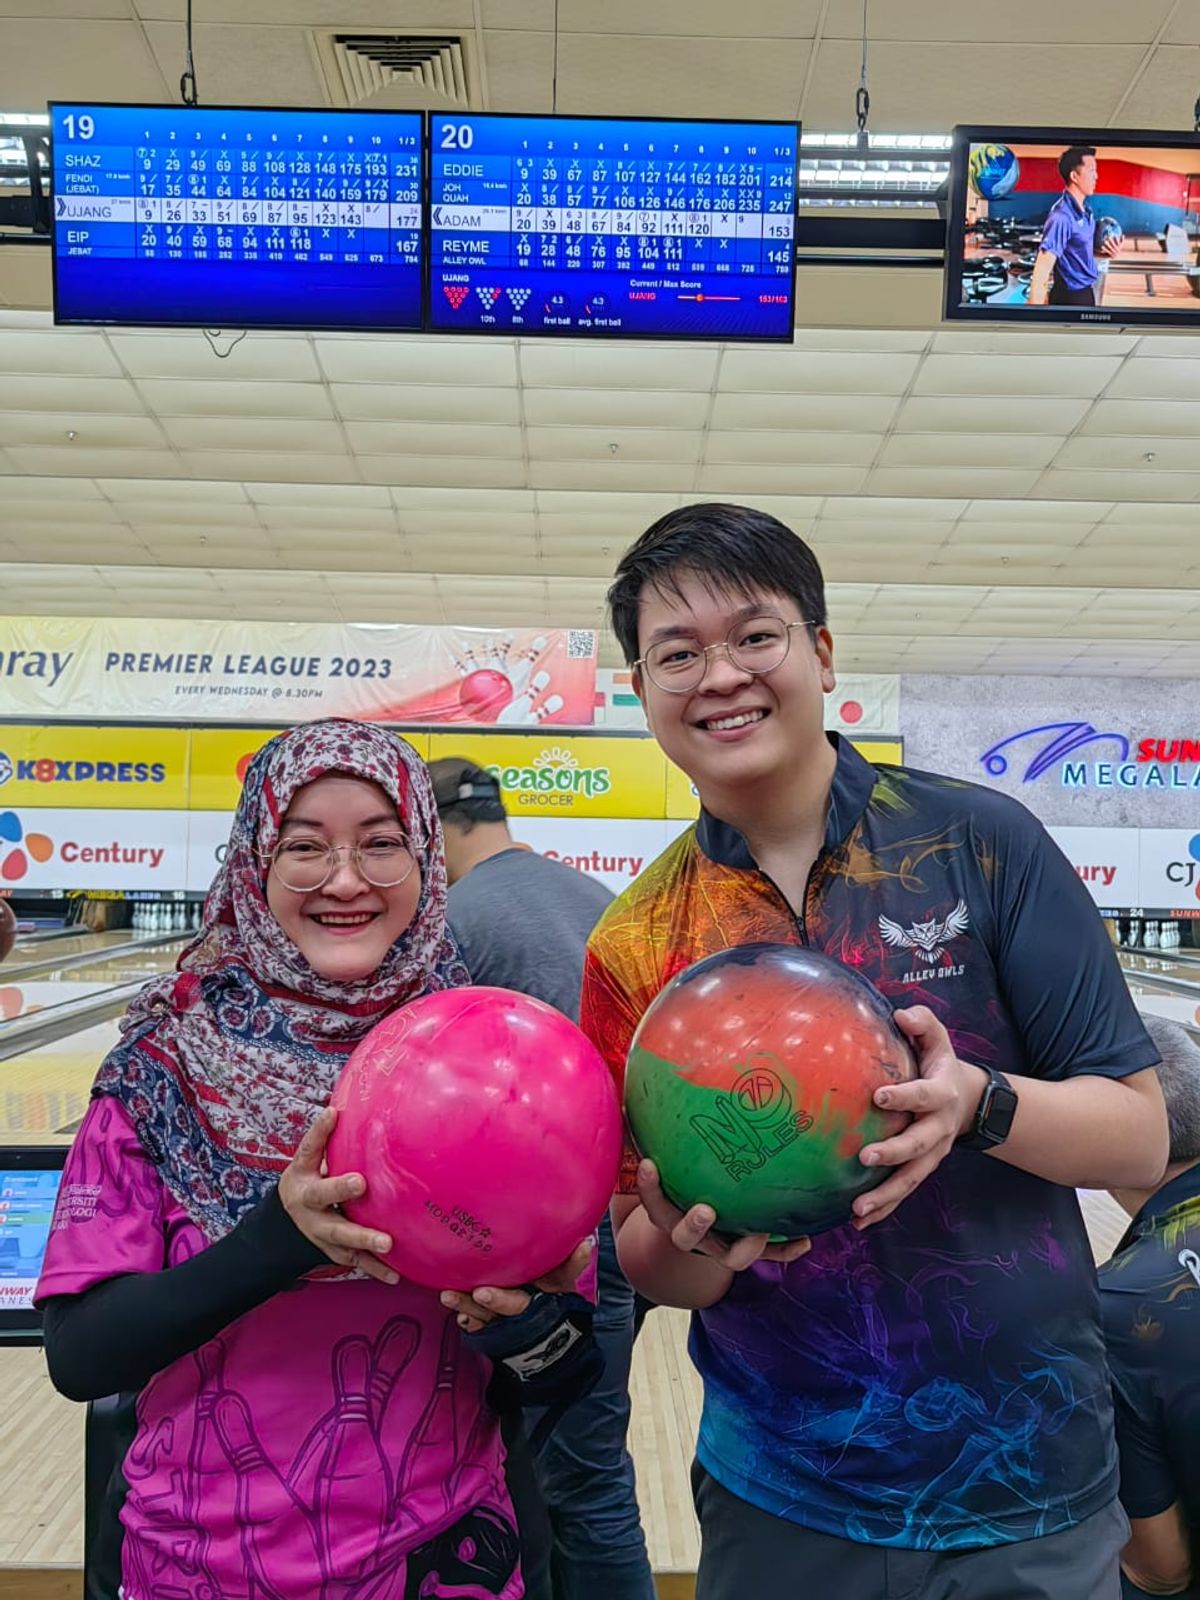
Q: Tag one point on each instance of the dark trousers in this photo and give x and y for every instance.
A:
(581, 1532)
(1060, 295)
(747, 1552)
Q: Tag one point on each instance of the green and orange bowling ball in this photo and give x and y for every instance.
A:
(750, 1084)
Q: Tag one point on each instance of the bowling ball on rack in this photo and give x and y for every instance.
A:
(750, 1085)
(993, 170)
(488, 1130)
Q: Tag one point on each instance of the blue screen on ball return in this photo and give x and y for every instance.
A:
(590, 226)
(227, 218)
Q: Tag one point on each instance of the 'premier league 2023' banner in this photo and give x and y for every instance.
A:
(62, 668)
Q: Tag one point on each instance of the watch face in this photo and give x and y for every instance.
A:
(997, 1120)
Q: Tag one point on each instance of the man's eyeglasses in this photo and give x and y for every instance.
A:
(679, 665)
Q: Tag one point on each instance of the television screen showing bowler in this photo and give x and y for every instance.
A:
(1064, 225)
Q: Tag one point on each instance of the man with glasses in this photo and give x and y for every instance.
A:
(522, 921)
(916, 1403)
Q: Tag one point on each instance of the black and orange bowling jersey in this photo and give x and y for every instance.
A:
(938, 1380)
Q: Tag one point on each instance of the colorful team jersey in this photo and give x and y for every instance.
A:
(938, 1380)
(1150, 1298)
(333, 1442)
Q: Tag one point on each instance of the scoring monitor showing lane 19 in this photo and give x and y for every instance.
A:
(170, 216)
(628, 228)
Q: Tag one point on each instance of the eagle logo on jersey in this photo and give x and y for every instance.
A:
(929, 939)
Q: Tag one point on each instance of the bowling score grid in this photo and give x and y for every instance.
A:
(346, 220)
(172, 216)
(626, 228)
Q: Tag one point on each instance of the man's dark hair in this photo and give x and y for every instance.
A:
(465, 793)
(1179, 1076)
(730, 549)
(1072, 158)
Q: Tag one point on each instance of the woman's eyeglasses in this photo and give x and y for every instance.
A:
(385, 861)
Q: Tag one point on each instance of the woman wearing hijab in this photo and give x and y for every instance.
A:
(304, 1429)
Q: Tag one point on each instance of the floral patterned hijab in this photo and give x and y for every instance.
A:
(224, 1063)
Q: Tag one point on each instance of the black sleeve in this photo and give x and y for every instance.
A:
(1147, 1483)
(1057, 967)
(119, 1333)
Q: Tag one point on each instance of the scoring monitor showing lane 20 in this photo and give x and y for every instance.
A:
(562, 225)
(171, 216)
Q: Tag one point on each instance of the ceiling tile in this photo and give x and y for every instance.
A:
(67, 394)
(1024, 375)
(38, 351)
(993, 452)
(767, 371)
(615, 444)
(258, 357)
(487, 363)
(435, 439)
(176, 397)
(605, 408)
(834, 449)
(575, 365)
(254, 434)
(387, 402)
(854, 413)
(987, 414)
(93, 432)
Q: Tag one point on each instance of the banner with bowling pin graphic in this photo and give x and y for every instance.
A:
(138, 670)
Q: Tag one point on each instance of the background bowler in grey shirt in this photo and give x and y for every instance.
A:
(522, 922)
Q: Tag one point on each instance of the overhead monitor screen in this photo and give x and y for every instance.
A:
(169, 216)
(1060, 225)
(631, 228)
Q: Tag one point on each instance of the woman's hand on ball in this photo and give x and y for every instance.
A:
(691, 1231)
(481, 1306)
(311, 1200)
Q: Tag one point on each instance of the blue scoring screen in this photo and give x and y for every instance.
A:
(592, 226)
(176, 217)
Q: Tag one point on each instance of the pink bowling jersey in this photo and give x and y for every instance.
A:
(332, 1444)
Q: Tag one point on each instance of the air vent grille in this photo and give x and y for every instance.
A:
(370, 62)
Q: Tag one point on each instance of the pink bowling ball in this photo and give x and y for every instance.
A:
(489, 1132)
(485, 693)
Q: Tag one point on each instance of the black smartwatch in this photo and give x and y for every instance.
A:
(994, 1118)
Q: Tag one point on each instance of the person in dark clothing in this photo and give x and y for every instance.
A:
(522, 922)
(1150, 1302)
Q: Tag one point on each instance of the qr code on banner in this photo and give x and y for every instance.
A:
(581, 644)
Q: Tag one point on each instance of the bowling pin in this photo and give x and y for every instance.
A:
(394, 1349)
(259, 1492)
(353, 1483)
(434, 1440)
(206, 1464)
(548, 708)
(518, 710)
(523, 666)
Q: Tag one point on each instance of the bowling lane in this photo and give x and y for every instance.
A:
(44, 1093)
(21, 996)
(29, 947)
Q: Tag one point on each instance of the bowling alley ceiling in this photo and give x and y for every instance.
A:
(982, 501)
